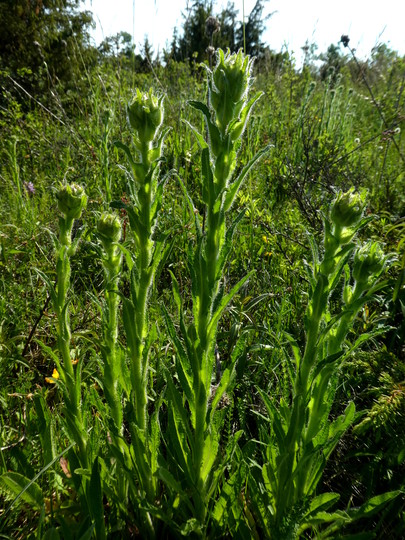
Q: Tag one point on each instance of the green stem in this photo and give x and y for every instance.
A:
(73, 411)
(111, 367)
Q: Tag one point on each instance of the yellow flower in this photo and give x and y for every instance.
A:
(264, 238)
(52, 380)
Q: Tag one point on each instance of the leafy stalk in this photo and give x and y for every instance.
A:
(109, 231)
(195, 436)
(304, 435)
(145, 115)
(71, 201)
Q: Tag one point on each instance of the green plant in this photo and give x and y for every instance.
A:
(302, 435)
(194, 419)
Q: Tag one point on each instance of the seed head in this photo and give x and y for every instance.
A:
(212, 26)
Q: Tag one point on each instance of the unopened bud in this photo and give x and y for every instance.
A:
(145, 115)
(369, 262)
(72, 200)
(109, 229)
(347, 209)
(231, 78)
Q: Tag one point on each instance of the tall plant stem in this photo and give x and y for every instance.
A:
(71, 200)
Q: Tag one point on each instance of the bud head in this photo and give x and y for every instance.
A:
(347, 209)
(229, 86)
(72, 200)
(232, 74)
(145, 115)
(109, 229)
(369, 262)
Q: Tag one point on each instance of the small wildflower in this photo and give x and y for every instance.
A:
(264, 238)
(29, 188)
(357, 141)
(53, 379)
(210, 50)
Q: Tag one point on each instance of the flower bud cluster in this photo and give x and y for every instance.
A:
(369, 262)
(145, 116)
(72, 200)
(346, 214)
(109, 230)
(230, 84)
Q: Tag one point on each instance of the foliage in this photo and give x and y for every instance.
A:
(43, 43)
(202, 29)
(226, 386)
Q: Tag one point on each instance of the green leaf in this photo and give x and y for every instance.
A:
(233, 188)
(343, 422)
(208, 194)
(125, 148)
(228, 244)
(224, 303)
(322, 502)
(200, 139)
(295, 349)
(22, 488)
(226, 378)
(51, 288)
(374, 504)
(95, 500)
(179, 430)
(45, 428)
(276, 420)
(169, 480)
(213, 131)
(51, 534)
(128, 316)
(128, 256)
(193, 211)
(50, 353)
(365, 337)
(182, 359)
(210, 452)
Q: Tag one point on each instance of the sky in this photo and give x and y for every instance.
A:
(366, 22)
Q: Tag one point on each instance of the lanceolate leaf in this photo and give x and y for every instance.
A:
(234, 187)
(23, 488)
(224, 303)
(95, 500)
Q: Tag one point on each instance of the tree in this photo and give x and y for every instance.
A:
(200, 31)
(41, 41)
(194, 41)
(251, 33)
(333, 61)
